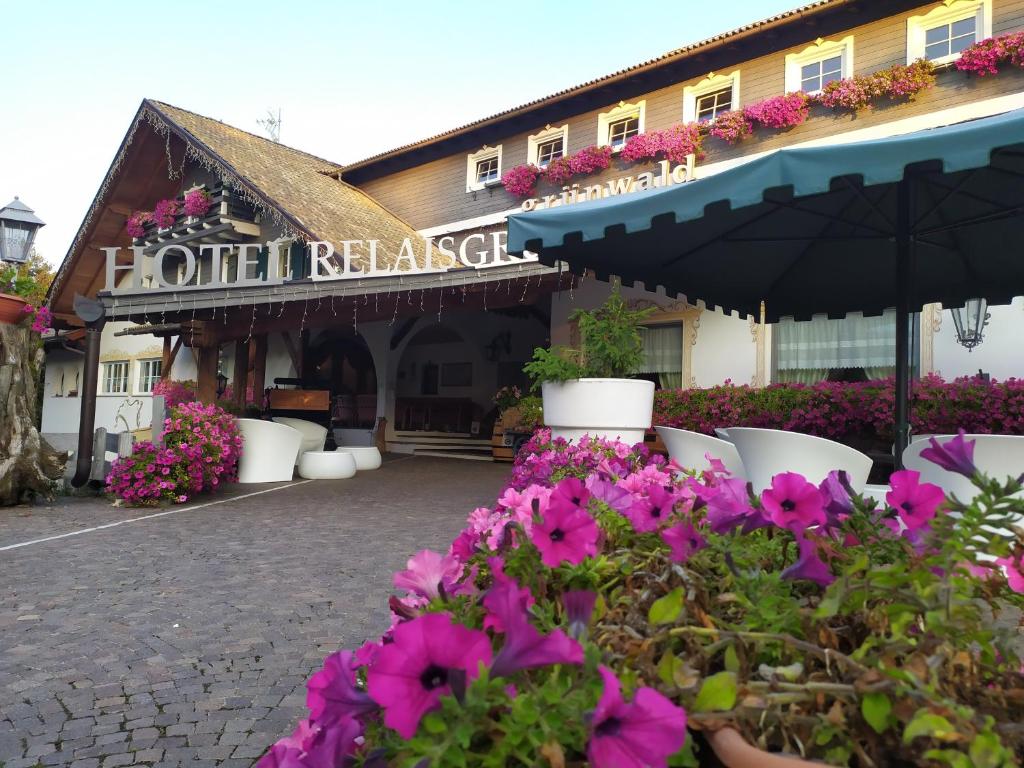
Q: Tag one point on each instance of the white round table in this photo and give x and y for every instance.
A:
(366, 456)
(326, 465)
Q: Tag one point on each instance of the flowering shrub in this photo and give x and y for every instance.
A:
(842, 410)
(903, 81)
(673, 144)
(164, 213)
(201, 447)
(135, 226)
(506, 397)
(986, 56)
(521, 180)
(897, 82)
(851, 93)
(590, 160)
(196, 202)
(42, 318)
(779, 111)
(175, 392)
(559, 171)
(731, 126)
(613, 611)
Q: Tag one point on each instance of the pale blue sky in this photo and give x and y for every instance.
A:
(351, 78)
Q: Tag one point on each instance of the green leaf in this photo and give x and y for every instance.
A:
(667, 667)
(433, 723)
(927, 724)
(717, 694)
(986, 751)
(732, 660)
(666, 610)
(829, 606)
(876, 708)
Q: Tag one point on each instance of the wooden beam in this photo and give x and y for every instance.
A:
(241, 373)
(170, 353)
(206, 373)
(258, 362)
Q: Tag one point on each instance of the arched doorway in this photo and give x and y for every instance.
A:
(342, 363)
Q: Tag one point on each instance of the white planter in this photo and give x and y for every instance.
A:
(613, 408)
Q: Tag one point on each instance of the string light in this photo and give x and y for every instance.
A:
(440, 303)
(394, 317)
(252, 323)
(355, 310)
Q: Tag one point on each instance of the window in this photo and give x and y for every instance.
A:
(946, 30)
(663, 355)
(115, 378)
(819, 64)
(620, 124)
(547, 145)
(707, 99)
(149, 375)
(483, 168)
(855, 348)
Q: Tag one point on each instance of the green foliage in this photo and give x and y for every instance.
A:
(717, 693)
(29, 280)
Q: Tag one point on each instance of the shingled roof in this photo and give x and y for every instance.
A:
(299, 187)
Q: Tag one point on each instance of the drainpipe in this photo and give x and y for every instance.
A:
(87, 417)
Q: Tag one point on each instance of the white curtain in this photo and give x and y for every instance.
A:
(807, 350)
(663, 354)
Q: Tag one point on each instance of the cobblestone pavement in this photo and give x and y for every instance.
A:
(187, 639)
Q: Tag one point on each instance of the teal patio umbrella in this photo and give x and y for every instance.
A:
(931, 216)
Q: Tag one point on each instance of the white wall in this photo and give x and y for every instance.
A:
(1001, 353)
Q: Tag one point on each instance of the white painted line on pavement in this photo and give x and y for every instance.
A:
(155, 514)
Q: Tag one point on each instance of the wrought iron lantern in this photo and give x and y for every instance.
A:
(970, 322)
(222, 384)
(18, 225)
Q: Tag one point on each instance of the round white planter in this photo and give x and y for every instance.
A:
(612, 408)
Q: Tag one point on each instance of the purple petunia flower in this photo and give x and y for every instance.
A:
(955, 455)
(683, 539)
(641, 734)
(835, 492)
(915, 502)
(331, 693)
(793, 503)
(579, 607)
(411, 674)
(313, 746)
(650, 512)
(809, 565)
(729, 506)
(429, 572)
(566, 533)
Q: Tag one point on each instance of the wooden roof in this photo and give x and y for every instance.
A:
(298, 188)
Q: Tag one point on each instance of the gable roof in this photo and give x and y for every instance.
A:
(299, 190)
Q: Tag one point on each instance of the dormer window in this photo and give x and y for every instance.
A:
(942, 34)
(483, 168)
(819, 64)
(616, 127)
(547, 145)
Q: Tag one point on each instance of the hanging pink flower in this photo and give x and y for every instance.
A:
(565, 534)
(780, 111)
(683, 540)
(411, 674)
(135, 226)
(591, 160)
(640, 734)
(521, 180)
(332, 694)
(793, 503)
(427, 573)
(525, 647)
(955, 455)
(809, 565)
(196, 202)
(731, 126)
(559, 171)
(915, 502)
(674, 144)
(165, 212)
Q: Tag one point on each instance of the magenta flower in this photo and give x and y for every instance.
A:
(566, 533)
(570, 491)
(497, 566)
(683, 539)
(915, 502)
(428, 573)
(835, 493)
(793, 503)
(312, 746)
(729, 505)
(525, 647)
(579, 607)
(955, 455)
(648, 513)
(332, 694)
(1014, 567)
(809, 565)
(611, 494)
(411, 674)
(642, 734)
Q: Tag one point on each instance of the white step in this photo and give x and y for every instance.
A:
(410, 440)
(463, 456)
(419, 433)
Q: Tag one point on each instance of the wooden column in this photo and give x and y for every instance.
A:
(241, 377)
(206, 372)
(258, 363)
(165, 360)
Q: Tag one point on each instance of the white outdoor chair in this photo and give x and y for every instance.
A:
(769, 452)
(690, 450)
(998, 456)
(313, 435)
(723, 434)
(269, 451)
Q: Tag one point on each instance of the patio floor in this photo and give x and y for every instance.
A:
(186, 638)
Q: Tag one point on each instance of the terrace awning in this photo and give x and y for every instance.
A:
(932, 216)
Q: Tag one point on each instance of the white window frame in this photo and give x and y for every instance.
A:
(143, 364)
(819, 50)
(947, 12)
(105, 379)
(484, 153)
(710, 84)
(543, 137)
(621, 111)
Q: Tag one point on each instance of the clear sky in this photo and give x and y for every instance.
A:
(351, 78)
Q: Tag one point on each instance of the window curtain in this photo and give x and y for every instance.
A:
(806, 351)
(663, 354)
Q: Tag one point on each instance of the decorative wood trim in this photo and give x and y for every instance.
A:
(931, 323)
(677, 311)
(759, 335)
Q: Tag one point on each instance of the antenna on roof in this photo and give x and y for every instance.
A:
(272, 125)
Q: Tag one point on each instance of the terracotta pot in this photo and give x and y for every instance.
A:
(12, 308)
(734, 751)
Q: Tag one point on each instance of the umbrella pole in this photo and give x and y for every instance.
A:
(904, 292)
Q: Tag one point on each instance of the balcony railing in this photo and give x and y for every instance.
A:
(229, 219)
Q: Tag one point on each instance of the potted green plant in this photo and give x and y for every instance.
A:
(586, 390)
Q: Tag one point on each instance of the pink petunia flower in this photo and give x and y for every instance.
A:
(650, 512)
(570, 491)
(1014, 567)
(331, 693)
(955, 455)
(915, 502)
(641, 734)
(683, 539)
(809, 565)
(497, 566)
(729, 506)
(429, 572)
(793, 503)
(411, 674)
(566, 533)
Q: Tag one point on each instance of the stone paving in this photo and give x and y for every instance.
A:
(187, 639)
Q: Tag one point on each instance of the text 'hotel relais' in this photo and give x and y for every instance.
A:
(380, 293)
